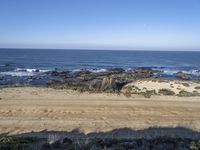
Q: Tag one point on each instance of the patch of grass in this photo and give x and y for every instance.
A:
(195, 145)
(185, 84)
(166, 92)
(14, 143)
(197, 87)
(135, 88)
(183, 93)
(16, 140)
(148, 93)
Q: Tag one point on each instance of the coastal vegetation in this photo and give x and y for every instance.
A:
(197, 87)
(184, 93)
(166, 92)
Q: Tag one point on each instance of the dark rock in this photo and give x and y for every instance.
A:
(54, 73)
(84, 75)
(144, 72)
(116, 70)
(182, 76)
(141, 72)
(107, 84)
(95, 85)
(111, 80)
(63, 74)
(37, 70)
(7, 65)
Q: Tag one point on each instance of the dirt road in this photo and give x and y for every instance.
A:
(29, 109)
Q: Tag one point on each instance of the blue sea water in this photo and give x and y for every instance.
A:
(22, 65)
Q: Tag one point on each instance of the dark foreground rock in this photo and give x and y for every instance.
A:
(111, 80)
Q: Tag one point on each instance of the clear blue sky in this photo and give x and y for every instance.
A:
(101, 24)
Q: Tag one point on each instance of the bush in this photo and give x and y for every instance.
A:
(148, 93)
(166, 92)
(197, 87)
(183, 93)
(13, 143)
(185, 84)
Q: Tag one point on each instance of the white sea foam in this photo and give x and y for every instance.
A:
(91, 70)
(172, 72)
(19, 74)
(97, 70)
(24, 72)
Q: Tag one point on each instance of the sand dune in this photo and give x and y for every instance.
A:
(26, 109)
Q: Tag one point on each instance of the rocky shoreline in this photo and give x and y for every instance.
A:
(111, 80)
(117, 80)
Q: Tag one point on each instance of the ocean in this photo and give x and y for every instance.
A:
(30, 66)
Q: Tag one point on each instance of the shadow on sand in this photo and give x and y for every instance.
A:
(128, 133)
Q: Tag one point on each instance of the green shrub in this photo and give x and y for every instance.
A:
(195, 145)
(197, 87)
(183, 93)
(148, 93)
(185, 84)
(14, 143)
(166, 92)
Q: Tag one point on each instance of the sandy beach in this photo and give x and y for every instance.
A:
(27, 109)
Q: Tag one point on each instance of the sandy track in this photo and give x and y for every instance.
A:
(29, 109)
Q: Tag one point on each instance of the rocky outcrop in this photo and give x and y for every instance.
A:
(111, 80)
(62, 74)
(182, 76)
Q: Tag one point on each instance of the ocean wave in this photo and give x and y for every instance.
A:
(96, 70)
(19, 74)
(30, 70)
(24, 72)
(189, 72)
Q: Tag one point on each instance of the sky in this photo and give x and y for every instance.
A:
(100, 24)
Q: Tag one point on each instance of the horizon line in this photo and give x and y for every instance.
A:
(95, 49)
